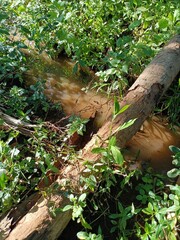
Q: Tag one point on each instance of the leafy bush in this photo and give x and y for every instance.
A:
(116, 38)
(138, 205)
(175, 172)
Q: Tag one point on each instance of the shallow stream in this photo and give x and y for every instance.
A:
(150, 144)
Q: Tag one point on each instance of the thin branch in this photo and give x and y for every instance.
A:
(11, 122)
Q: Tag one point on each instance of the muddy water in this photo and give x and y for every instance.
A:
(70, 91)
(150, 144)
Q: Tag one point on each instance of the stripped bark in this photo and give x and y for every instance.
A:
(142, 97)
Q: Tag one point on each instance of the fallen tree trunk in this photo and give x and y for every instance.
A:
(142, 98)
(11, 122)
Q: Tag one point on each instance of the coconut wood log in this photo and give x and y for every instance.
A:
(142, 96)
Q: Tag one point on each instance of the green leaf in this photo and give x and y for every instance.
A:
(25, 30)
(111, 71)
(117, 109)
(172, 236)
(82, 63)
(21, 8)
(2, 172)
(82, 197)
(75, 68)
(176, 162)
(125, 68)
(135, 24)
(82, 235)
(173, 208)
(123, 109)
(163, 23)
(77, 211)
(116, 106)
(112, 141)
(173, 173)
(1, 122)
(4, 31)
(54, 169)
(163, 211)
(66, 208)
(142, 9)
(139, 197)
(149, 209)
(117, 155)
(3, 16)
(115, 216)
(126, 124)
(85, 224)
(98, 150)
(174, 149)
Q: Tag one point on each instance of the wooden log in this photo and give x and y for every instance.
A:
(11, 122)
(142, 96)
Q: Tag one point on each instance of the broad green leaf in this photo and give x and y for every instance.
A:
(172, 236)
(21, 8)
(2, 172)
(98, 150)
(25, 30)
(135, 24)
(82, 235)
(159, 230)
(66, 208)
(111, 71)
(174, 149)
(139, 197)
(125, 68)
(117, 109)
(123, 41)
(77, 211)
(149, 210)
(176, 162)
(53, 14)
(82, 63)
(54, 169)
(173, 208)
(3, 16)
(4, 31)
(173, 173)
(163, 23)
(163, 211)
(82, 197)
(176, 14)
(117, 155)
(149, 18)
(115, 62)
(112, 141)
(142, 9)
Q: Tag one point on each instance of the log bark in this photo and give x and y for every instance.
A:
(11, 122)
(142, 97)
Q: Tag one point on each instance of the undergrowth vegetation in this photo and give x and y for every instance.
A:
(116, 39)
